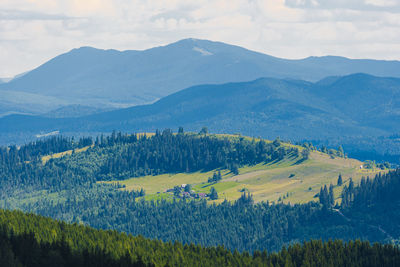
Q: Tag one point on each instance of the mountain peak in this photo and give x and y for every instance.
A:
(90, 49)
(202, 43)
(85, 49)
(192, 41)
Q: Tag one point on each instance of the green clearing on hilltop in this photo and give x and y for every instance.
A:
(287, 180)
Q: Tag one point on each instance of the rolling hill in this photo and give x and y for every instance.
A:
(115, 79)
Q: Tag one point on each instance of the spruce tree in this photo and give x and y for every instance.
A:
(340, 180)
(177, 191)
(213, 194)
(188, 188)
(351, 186)
(331, 196)
(219, 176)
(340, 152)
(305, 153)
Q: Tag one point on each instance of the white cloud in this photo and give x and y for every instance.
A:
(382, 3)
(33, 31)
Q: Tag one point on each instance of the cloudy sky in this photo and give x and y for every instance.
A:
(34, 31)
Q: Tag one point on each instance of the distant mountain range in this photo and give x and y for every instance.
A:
(115, 79)
(354, 105)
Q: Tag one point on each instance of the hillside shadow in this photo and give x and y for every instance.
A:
(300, 161)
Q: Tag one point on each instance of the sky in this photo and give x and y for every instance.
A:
(34, 31)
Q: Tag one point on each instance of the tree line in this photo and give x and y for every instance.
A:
(120, 156)
(241, 225)
(166, 152)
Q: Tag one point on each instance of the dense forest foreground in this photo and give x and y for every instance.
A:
(31, 240)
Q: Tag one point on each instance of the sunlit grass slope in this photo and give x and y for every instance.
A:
(288, 180)
(62, 154)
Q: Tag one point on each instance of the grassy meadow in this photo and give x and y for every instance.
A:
(288, 180)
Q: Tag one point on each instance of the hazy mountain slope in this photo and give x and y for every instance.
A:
(267, 107)
(344, 66)
(110, 78)
(371, 101)
(73, 111)
(22, 102)
(355, 105)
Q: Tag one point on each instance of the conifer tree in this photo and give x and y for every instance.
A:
(340, 180)
(331, 196)
(340, 152)
(177, 191)
(213, 194)
(305, 153)
(188, 188)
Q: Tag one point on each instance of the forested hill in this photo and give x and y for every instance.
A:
(30, 240)
(121, 156)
